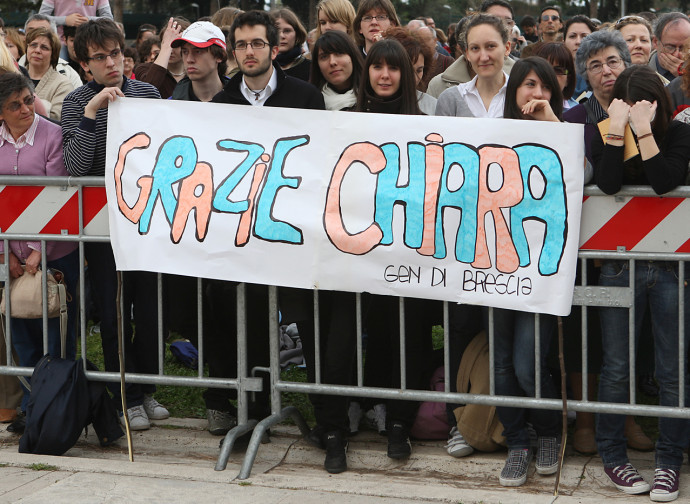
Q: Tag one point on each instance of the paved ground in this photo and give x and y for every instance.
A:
(174, 463)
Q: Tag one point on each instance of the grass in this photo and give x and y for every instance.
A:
(188, 402)
(42, 467)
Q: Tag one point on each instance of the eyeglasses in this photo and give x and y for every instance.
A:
(632, 18)
(256, 44)
(552, 18)
(369, 19)
(115, 55)
(14, 106)
(560, 70)
(597, 67)
(672, 49)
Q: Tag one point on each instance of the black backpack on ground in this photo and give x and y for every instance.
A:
(62, 404)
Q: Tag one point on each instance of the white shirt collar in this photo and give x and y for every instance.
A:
(27, 138)
(468, 90)
(259, 98)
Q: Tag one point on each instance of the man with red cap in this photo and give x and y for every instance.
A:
(204, 58)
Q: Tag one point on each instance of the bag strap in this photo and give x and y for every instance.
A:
(590, 112)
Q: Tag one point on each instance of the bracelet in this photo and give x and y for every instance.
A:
(614, 137)
(644, 136)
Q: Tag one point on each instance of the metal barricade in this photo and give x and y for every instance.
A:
(55, 209)
(77, 230)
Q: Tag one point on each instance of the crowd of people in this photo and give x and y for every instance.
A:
(623, 80)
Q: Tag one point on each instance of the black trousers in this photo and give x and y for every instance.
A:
(140, 299)
(383, 349)
(220, 342)
(338, 333)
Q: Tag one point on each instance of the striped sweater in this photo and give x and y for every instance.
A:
(85, 139)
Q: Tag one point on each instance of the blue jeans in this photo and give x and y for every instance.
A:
(27, 334)
(514, 343)
(656, 289)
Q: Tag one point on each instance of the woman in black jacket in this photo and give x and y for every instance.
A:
(388, 85)
(640, 100)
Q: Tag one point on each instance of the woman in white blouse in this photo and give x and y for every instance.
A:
(484, 96)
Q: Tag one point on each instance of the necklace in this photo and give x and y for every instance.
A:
(177, 74)
(258, 93)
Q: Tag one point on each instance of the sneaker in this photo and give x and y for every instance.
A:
(626, 479)
(154, 409)
(457, 446)
(336, 448)
(376, 418)
(354, 414)
(399, 441)
(137, 418)
(547, 456)
(514, 471)
(665, 487)
(220, 422)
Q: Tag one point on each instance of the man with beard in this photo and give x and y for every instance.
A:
(254, 39)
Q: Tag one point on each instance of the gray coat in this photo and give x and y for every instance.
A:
(452, 103)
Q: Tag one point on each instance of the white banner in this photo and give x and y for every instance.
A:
(480, 211)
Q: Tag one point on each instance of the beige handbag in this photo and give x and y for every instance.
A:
(26, 298)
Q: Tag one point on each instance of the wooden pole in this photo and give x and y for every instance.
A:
(564, 429)
(121, 355)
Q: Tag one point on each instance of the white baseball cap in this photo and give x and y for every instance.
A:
(201, 34)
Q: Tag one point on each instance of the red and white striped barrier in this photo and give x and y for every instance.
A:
(635, 224)
(608, 222)
(52, 210)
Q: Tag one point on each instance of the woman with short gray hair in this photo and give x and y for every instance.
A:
(32, 145)
(601, 58)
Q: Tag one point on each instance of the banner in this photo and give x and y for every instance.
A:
(481, 211)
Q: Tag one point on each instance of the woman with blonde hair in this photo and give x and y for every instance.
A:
(334, 15)
(637, 33)
(15, 43)
(7, 62)
(42, 54)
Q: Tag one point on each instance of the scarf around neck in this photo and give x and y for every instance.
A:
(338, 101)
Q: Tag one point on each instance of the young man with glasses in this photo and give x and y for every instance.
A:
(260, 81)
(671, 32)
(98, 46)
(204, 57)
(550, 24)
